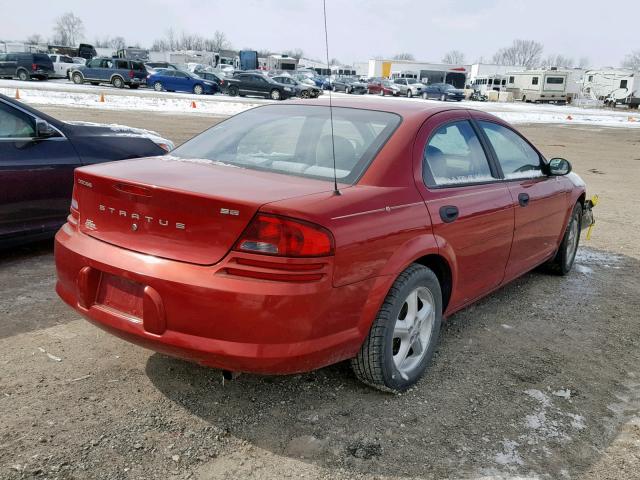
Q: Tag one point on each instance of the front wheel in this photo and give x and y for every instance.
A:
(404, 334)
(275, 94)
(425, 96)
(409, 93)
(233, 91)
(443, 98)
(117, 82)
(304, 94)
(77, 79)
(562, 262)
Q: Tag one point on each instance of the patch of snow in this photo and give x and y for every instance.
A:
(463, 179)
(526, 174)
(577, 421)
(583, 269)
(506, 327)
(200, 161)
(565, 393)
(509, 454)
(539, 396)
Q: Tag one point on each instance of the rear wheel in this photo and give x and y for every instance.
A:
(77, 78)
(304, 94)
(117, 82)
(563, 261)
(23, 75)
(404, 334)
(157, 86)
(198, 89)
(275, 94)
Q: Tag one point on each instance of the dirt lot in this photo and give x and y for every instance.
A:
(539, 380)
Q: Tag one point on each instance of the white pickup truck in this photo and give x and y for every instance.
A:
(62, 65)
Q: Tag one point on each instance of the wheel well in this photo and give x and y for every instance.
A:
(441, 268)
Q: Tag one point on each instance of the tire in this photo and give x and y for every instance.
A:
(275, 94)
(375, 364)
(425, 96)
(443, 98)
(117, 82)
(233, 91)
(382, 92)
(524, 99)
(198, 89)
(304, 94)
(23, 75)
(409, 93)
(157, 86)
(563, 260)
(78, 79)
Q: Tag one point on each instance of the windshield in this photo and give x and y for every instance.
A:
(411, 81)
(296, 140)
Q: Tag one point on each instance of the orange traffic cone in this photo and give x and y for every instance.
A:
(17, 94)
(569, 117)
(193, 104)
(102, 98)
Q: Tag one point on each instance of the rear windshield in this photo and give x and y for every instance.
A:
(41, 58)
(296, 140)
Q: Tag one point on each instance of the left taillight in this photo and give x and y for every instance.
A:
(285, 237)
(132, 74)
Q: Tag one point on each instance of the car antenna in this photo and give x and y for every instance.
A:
(333, 143)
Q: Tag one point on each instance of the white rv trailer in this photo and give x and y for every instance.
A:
(281, 62)
(538, 86)
(614, 86)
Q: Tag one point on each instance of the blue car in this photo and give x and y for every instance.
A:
(443, 92)
(181, 81)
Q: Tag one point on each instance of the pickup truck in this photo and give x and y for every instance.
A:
(63, 65)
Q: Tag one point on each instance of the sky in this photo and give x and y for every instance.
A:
(358, 29)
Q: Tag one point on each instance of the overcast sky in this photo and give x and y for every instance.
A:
(358, 29)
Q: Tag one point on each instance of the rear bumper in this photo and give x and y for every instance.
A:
(202, 314)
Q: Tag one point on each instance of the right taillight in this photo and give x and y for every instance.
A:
(74, 216)
(285, 237)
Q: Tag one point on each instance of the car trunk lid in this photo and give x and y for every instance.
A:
(186, 210)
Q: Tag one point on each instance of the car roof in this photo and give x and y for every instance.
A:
(406, 109)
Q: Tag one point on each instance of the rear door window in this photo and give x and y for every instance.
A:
(517, 158)
(454, 155)
(122, 64)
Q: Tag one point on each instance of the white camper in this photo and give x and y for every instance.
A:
(613, 86)
(538, 85)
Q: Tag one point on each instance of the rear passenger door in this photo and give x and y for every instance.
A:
(540, 201)
(471, 209)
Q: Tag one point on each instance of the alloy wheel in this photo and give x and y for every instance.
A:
(413, 330)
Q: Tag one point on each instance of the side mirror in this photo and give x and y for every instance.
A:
(559, 167)
(44, 130)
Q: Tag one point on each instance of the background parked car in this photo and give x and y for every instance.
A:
(153, 66)
(409, 87)
(26, 66)
(37, 157)
(443, 92)
(63, 65)
(217, 77)
(257, 84)
(179, 81)
(116, 71)
(349, 85)
(302, 90)
(383, 87)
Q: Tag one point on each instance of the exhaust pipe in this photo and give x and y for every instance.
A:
(228, 375)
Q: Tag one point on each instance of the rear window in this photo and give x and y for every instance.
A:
(138, 66)
(296, 140)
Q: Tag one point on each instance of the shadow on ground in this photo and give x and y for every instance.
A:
(521, 383)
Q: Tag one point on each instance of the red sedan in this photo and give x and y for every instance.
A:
(236, 251)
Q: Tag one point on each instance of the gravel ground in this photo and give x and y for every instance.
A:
(539, 380)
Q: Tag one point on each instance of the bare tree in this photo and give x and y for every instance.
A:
(404, 56)
(453, 57)
(34, 39)
(117, 43)
(558, 61)
(632, 61)
(220, 41)
(68, 29)
(297, 53)
(335, 61)
(524, 53)
(584, 62)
